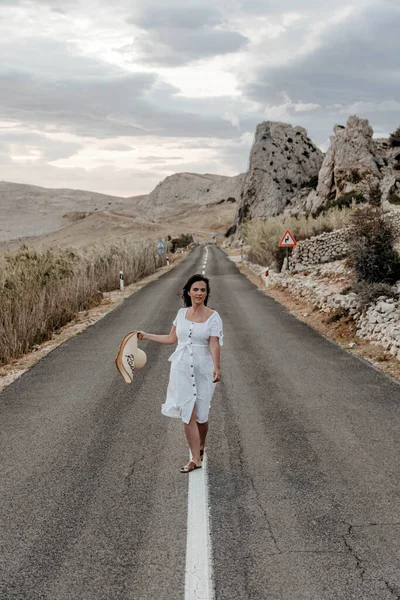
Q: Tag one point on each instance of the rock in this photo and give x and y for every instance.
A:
(385, 307)
(349, 162)
(282, 159)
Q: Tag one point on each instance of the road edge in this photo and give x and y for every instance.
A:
(82, 321)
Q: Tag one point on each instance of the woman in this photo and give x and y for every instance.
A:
(195, 364)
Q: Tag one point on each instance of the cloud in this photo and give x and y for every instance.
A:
(176, 15)
(356, 61)
(19, 143)
(144, 89)
(179, 33)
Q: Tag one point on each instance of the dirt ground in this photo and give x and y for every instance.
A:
(82, 321)
(341, 330)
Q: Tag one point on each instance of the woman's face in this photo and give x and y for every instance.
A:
(198, 293)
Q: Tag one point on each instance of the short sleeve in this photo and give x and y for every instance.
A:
(175, 321)
(216, 328)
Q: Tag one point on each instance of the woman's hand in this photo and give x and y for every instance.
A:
(216, 375)
(141, 335)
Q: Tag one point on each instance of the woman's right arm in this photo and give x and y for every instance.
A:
(171, 338)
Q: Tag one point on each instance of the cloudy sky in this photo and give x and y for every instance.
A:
(114, 96)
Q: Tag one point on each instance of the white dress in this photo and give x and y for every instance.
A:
(191, 375)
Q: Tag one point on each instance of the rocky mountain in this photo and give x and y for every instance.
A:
(289, 174)
(351, 164)
(355, 162)
(191, 189)
(282, 160)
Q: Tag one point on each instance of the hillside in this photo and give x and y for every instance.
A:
(186, 202)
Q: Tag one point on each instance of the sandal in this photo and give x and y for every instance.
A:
(191, 466)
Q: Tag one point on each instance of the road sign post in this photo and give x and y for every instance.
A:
(160, 250)
(160, 247)
(287, 242)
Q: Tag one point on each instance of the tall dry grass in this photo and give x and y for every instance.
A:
(42, 291)
(263, 236)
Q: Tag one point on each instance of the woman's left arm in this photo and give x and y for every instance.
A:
(216, 356)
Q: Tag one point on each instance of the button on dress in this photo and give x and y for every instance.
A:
(191, 374)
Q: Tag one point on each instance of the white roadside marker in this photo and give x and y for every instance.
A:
(198, 571)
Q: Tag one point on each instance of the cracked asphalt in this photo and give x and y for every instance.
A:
(303, 457)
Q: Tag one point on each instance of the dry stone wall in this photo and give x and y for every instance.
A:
(322, 248)
(322, 288)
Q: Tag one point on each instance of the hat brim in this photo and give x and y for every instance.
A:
(129, 357)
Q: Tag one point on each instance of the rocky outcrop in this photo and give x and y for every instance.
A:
(389, 165)
(282, 160)
(191, 189)
(350, 163)
(355, 162)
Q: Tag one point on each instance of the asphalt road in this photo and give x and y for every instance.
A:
(303, 460)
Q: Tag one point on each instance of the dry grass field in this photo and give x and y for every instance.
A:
(42, 291)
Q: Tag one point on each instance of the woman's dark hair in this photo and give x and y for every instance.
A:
(186, 288)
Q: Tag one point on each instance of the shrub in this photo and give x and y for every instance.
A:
(368, 293)
(230, 231)
(336, 315)
(371, 251)
(313, 183)
(181, 242)
(394, 138)
(355, 176)
(343, 201)
(375, 194)
(394, 193)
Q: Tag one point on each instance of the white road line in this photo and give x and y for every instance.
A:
(198, 576)
(203, 272)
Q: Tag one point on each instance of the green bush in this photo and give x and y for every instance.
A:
(375, 194)
(343, 201)
(181, 242)
(394, 193)
(371, 247)
(313, 183)
(394, 138)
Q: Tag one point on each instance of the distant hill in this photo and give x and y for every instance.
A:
(184, 202)
(29, 210)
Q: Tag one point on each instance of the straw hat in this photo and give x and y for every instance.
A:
(129, 358)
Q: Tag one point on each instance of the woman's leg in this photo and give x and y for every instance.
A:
(203, 429)
(193, 437)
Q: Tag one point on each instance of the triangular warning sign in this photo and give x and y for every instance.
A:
(287, 240)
